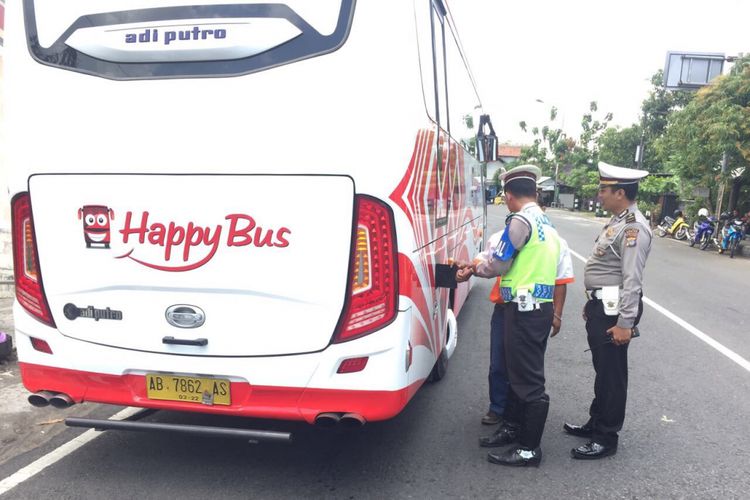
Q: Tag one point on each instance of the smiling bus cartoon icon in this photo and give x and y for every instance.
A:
(96, 229)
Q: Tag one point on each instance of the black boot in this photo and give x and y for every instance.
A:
(528, 452)
(507, 433)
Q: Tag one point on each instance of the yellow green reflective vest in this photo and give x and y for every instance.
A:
(535, 266)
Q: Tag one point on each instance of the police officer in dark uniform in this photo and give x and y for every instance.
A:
(527, 258)
(613, 278)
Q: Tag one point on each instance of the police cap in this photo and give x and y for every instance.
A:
(610, 175)
(531, 172)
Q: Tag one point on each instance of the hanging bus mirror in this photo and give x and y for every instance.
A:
(486, 142)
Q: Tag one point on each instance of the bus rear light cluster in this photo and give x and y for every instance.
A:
(372, 293)
(29, 290)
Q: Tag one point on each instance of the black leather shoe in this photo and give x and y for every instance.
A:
(584, 430)
(491, 418)
(592, 451)
(517, 457)
(504, 435)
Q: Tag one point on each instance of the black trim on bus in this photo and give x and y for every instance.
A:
(308, 44)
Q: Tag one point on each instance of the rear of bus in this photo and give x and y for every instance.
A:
(203, 206)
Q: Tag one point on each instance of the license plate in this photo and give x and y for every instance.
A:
(207, 391)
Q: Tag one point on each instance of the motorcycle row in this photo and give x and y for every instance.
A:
(731, 230)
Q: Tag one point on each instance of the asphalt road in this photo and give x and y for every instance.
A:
(685, 436)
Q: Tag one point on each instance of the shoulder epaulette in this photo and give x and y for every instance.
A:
(630, 218)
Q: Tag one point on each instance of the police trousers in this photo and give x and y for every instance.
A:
(607, 411)
(526, 335)
(498, 375)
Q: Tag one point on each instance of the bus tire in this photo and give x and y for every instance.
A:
(440, 368)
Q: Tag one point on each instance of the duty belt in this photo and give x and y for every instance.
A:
(535, 305)
(596, 293)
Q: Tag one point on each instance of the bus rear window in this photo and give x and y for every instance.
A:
(212, 40)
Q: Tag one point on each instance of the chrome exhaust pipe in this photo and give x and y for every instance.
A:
(327, 419)
(352, 420)
(61, 401)
(40, 399)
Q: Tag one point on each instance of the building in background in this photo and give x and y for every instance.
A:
(506, 154)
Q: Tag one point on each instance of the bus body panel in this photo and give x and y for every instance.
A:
(356, 120)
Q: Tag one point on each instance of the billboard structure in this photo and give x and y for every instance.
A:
(691, 70)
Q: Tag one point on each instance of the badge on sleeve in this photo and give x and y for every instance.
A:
(631, 236)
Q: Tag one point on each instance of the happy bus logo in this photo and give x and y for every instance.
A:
(96, 225)
(175, 246)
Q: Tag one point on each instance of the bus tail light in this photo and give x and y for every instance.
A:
(372, 293)
(29, 290)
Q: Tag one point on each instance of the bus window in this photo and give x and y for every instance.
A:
(463, 102)
(184, 41)
(442, 140)
(439, 70)
(422, 18)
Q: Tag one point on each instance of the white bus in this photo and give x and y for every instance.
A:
(238, 208)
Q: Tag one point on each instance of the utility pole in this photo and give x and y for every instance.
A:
(639, 149)
(722, 186)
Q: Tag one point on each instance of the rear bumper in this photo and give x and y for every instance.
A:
(295, 387)
(287, 403)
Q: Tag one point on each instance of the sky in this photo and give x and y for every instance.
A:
(568, 53)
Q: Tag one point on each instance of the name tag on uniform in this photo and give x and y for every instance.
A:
(611, 300)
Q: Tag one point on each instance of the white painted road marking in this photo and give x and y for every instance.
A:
(690, 328)
(50, 458)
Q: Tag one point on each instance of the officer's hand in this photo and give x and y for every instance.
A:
(464, 274)
(620, 336)
(583, 314)
(556, 324)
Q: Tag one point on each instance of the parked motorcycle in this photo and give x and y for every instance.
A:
(704, 232)
(676, 227)
(731, 236)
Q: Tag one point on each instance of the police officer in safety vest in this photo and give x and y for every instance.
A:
(613, 278)
(532, 247)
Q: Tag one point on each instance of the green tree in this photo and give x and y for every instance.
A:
(573, 157)
(617, 146)
(650, 190)
(714, 123)
(585, 179)
(656, 110)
